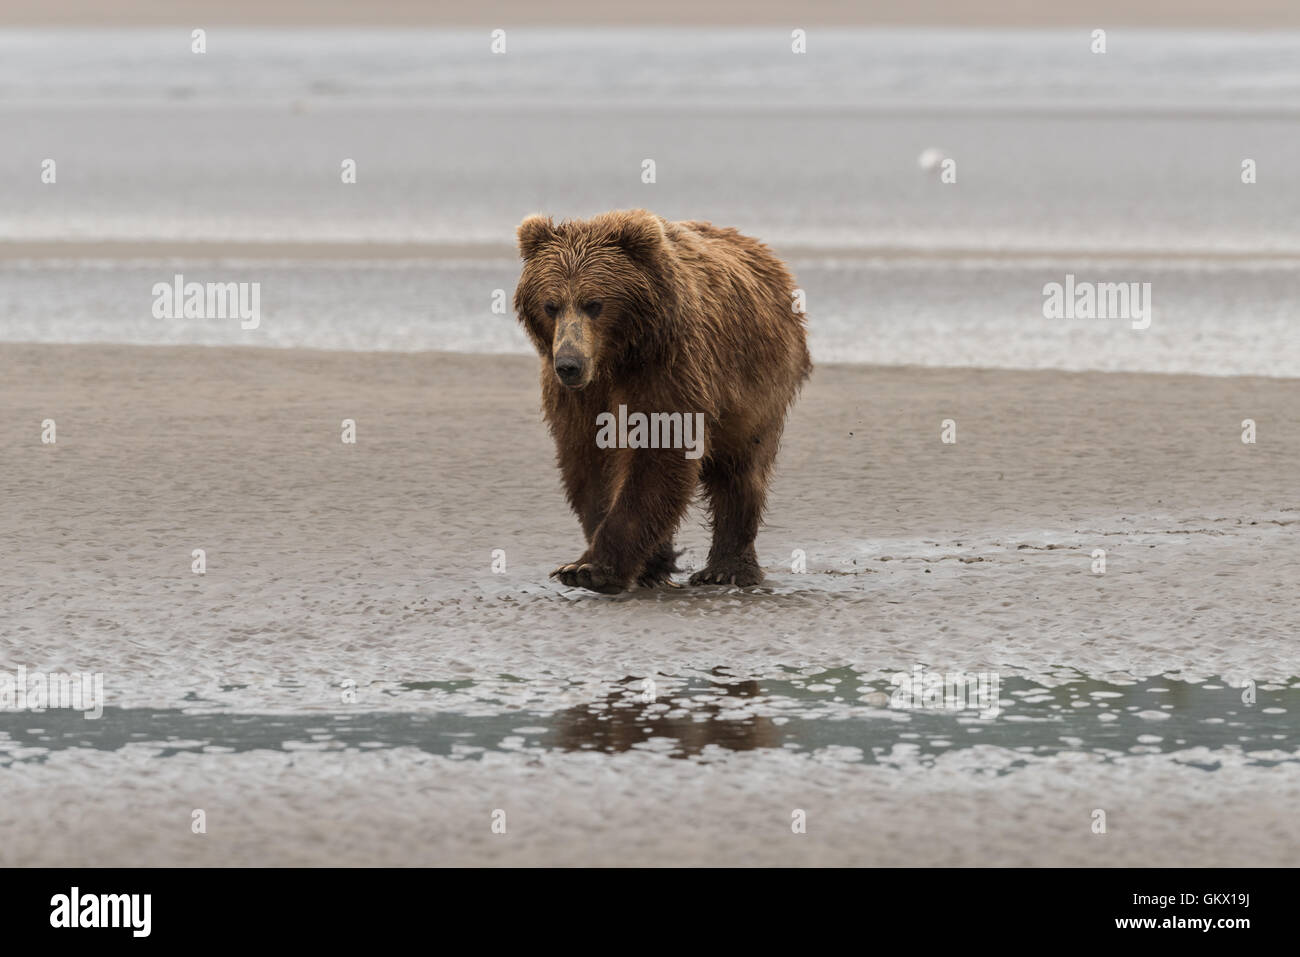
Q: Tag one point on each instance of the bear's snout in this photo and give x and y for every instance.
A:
(570, 369)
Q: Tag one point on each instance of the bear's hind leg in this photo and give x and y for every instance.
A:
(737, 490)
(659, 567)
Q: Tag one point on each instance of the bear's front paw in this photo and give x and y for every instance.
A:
(587, 575)
(736, 571)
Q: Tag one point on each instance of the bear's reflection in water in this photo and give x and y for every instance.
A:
(628, 719)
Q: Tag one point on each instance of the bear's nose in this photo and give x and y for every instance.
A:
(569, 369)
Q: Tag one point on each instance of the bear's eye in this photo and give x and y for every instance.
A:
(592, 308)
(552, 309)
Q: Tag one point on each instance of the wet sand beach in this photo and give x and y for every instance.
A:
(350, 681)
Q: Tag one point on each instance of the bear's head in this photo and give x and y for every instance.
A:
(595, 294)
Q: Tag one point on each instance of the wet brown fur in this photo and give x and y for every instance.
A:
(692, 318)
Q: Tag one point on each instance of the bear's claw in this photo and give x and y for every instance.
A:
(655, 579)
(589, 576)
(739, 574)
(659, 568)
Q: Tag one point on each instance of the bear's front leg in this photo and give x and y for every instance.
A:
(654, 490)
(586, 472)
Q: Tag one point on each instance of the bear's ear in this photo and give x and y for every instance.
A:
(534, 233)
(639, 233)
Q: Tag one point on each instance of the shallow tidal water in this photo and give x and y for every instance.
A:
(845, 715)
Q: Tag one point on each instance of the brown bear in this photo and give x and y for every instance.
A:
(632, 314)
